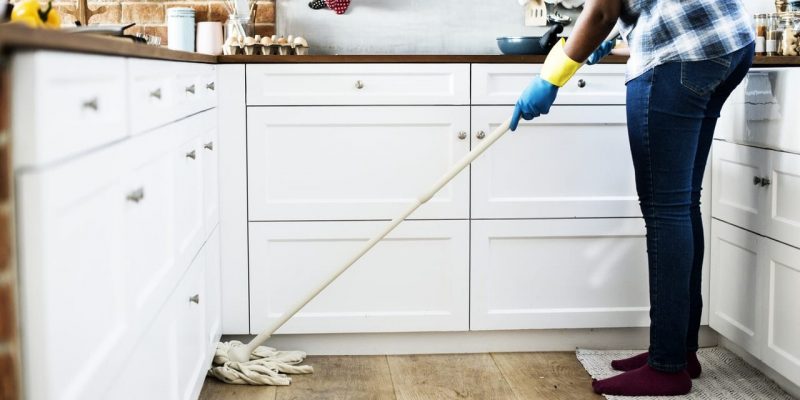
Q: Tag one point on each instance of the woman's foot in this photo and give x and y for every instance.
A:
(692, 364)
(645, 381)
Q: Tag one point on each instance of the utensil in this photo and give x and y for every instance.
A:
(527, 45)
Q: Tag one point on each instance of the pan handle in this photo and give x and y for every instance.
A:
(550, 37)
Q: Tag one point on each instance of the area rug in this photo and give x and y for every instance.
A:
(725, 376)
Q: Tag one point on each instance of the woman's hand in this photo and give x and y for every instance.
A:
(535, 100)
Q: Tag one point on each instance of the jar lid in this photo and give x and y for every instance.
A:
(181, 11)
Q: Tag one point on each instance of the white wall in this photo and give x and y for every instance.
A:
(405, 26)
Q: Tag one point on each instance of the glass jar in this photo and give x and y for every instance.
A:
(774, 34)
(244, 21)
(761, 34)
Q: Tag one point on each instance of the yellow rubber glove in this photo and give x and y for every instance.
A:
(558, 68)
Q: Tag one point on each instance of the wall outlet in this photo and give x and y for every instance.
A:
(535, 13)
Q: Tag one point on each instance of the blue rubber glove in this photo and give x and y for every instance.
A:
(535, 100)
(603, 50)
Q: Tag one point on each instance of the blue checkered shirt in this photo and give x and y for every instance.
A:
(660, 31)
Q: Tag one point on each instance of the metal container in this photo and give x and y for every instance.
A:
(180, 29)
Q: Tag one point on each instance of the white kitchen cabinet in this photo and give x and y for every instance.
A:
(213, 297)
(357, 84)
(415, 280)
(783, 198)
(548, 274)
(502, 84)
(192, 345)
(354, 163)
(574, 163)
(739, 190)
(187, 170)
(210, 160)
(736, 278)
(781, 322)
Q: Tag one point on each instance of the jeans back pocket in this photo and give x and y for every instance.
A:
(703, 77)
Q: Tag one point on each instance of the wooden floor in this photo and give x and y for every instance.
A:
(496, 376)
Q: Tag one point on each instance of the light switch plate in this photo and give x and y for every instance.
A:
(535, 13)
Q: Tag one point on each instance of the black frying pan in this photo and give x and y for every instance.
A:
(524, 45)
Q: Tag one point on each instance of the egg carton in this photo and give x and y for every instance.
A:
(266, 46)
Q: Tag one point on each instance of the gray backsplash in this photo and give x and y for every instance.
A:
(406, 26)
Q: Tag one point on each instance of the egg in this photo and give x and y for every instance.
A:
(266, 41)
(249, 41)
(282, 41)
(300, 41)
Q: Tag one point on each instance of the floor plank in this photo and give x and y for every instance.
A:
(452, 376)
(341, 377)
(551, 376)
(216, 390)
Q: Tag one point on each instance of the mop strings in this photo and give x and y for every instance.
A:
(267, 366)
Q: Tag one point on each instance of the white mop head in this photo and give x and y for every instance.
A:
(266, 366)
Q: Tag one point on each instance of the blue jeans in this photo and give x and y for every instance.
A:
(672, 111)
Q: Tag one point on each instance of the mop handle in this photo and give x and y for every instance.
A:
(447, 177)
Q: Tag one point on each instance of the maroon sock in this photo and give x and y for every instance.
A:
(692, 364)
(645, 381)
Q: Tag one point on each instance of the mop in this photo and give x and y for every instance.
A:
(252, 364)
(239, 363)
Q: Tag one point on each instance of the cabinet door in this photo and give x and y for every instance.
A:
(188, 178)
(548, 274)
(736, 278)
(784, 198)
(574, 163)
(738, 196)
(414, 280)
(74, 293)
(213, 300)
(352, 163)
(781, 326)
(210, 157)
(189, 299)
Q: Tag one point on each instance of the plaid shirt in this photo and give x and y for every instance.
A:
(660, 31)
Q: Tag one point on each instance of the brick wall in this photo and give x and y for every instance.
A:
(150, 16)
(9, 332)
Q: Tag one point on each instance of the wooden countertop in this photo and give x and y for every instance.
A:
(16, 37)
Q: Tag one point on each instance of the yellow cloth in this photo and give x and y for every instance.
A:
(558, 68)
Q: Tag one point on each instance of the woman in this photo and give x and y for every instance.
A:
(686, 58)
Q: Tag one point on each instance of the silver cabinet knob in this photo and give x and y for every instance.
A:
(756, 180)
(190, 89)
(209, 146)
(581, 83)
(90, 104)
(210, 86)
(195, 299)
(359, 84)
(136, 195)
(192, 154)
(156, 94)
(480, 135)
(462, 135)
(763, 181)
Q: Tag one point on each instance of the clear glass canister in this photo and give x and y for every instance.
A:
(180, 29)
(244, 21)
(774, 34)
(761, 34)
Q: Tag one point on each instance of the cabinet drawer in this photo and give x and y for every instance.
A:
(351, 163)
(64, 111)
(415, 280)
(552, 274)
(503, 83)
(351, 84)
(574, 163)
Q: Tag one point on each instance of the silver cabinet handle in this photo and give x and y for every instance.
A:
(209, 146)
(136, 195)
(192, 154)
(210, 86)
(462, 135)
(190, 89)
(581, 83)
(481, 135)
(756, 180)
(763, 181)
(195, 299)
(156, 94)
(359, 84)
(90, 104)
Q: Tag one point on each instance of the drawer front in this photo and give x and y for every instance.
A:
(416, 279)
(503, 83)
(738, 196)
(155, 93)
(196, 82)
(62, 112)
(351, 163)
(522, 271)
(355, 84)
(209, 154)
(574, 163)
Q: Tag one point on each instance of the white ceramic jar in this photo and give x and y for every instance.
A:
(180, 29)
